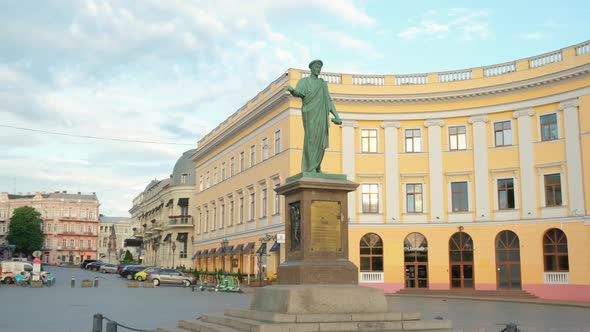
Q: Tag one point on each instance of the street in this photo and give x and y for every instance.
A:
(63, 309)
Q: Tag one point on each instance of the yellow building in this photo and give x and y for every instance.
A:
(475, 178)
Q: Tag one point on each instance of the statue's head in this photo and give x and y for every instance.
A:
(316, 66)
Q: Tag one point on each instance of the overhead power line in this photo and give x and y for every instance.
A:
(94, 137)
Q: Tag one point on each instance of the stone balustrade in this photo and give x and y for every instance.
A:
(411, 79)
(582, 48)
(368, 80)
(499, 69)
(557, 277)
(545, 59)
(456, 75)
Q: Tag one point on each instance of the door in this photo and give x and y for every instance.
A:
(416, 261)
(508, 261)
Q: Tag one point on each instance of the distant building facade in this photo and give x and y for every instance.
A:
(161, 217)
(70, 223)
(112, 232)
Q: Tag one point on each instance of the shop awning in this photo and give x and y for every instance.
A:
(211, 252)
(181, 237)
(183, 202)
(197, 254)
(237, 249)
(170, 202)
(228, 250)
(167, 237)
(219, 252)
(276, 246)
(261, 249)
(248, 248)
(204, 253)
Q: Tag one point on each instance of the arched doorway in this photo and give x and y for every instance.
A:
(416, 261)
(508, 261)
(461, 260)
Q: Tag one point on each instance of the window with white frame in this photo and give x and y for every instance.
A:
(223, 171)
(413, 140)
(200, 222)
(252, 155)
(184, 178)
(231, 213)
(369, 140)
(222, 220)
(241, 210)
(89, 244)
(506, 199)
(414, 198)
(214, 220)
(263, 203)
(242, 161)
(265, 148)
(64, 243)
(232, 166)
(457, 138)
(459, 196)
(370, 197)
(215, 176)
(503, 133)
(252, 203)
(277, 142)
(549, 130)
(207, 180)
(206, 220)
(553, 190)
(72, 245)
(277, 203)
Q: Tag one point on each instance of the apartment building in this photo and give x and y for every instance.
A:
(477, 178)
(70, 223)
(112, 232)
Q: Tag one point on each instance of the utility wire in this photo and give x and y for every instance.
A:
(94, 137)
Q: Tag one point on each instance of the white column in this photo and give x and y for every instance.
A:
(527, 163)
(573, 157)
(391, 172)
(480, 161)
(348, 163)
(435, 167)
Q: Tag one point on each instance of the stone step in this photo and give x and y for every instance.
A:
(170, 329)
(519, 294)
(274, 317)
(201, 326)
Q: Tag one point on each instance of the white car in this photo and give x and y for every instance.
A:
(108, 268)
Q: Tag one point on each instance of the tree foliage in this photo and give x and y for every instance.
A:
(128, 257)
(25, 230)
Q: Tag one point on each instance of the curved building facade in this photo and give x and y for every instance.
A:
(469, 179)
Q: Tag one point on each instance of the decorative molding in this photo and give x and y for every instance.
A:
(390, 124)
(529, 111)
(350, 123)
(572, 103)
(478, 118)
(369, 175)
(512, 170)
(434, 122)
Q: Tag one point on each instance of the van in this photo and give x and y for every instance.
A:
(9, 270)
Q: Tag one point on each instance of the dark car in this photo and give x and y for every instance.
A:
(95, 266)
(129, 271)
(86, 262)
(121, 266)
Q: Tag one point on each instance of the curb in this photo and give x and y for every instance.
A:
(495, 299)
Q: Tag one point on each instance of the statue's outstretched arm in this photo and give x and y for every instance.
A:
(294, 92)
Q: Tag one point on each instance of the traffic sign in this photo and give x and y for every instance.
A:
(280, 238)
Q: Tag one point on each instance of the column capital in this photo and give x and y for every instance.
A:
(350, 123)
(434, 122)
(479, 118)
(523, 112)
(389, 124)
(571, 103)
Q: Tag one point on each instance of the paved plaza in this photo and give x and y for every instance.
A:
(63, 309)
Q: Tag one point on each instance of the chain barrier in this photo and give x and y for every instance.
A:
(112, 325)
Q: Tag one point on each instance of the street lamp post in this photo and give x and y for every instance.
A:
(173, 250)
(224, 244)
(155, 246)
(262, 240)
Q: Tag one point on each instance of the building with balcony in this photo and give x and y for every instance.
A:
(162, 224)
(112, 232)
(477, 178)
(70, 223)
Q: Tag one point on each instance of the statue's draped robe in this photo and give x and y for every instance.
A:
(316, 115)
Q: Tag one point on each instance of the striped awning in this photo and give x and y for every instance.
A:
(197, 254)
(248, 248)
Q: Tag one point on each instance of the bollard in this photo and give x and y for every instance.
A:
(97, 323)
(73, 284)
(111, 326)
(96, 282)
(511, 327)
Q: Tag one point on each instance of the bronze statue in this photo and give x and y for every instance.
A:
(316, 109)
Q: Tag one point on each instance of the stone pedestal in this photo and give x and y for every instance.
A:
(316, 230)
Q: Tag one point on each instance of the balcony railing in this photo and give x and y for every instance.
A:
(557, 278)
(371, 277)
(181, 220)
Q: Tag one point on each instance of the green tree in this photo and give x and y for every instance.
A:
(128, 257)
(25, 230)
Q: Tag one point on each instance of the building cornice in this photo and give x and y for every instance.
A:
(500, 89)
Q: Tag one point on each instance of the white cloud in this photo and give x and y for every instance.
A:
(534, 36)
(466, 23)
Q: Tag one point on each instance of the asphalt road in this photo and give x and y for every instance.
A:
(64, 309)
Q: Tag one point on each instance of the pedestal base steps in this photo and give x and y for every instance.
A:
(294, 308)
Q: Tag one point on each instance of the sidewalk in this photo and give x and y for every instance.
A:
(497, 299)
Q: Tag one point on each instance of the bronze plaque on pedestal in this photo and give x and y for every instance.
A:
(325, 226)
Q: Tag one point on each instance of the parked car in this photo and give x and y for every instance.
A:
(86, 262)
(170, 276)
(121, 266)
(94, 266)
(142, 275)
(129, 271)
(108, 268)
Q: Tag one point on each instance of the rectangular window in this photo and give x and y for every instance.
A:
(370, 197)
(72, 245)
(81, 244)
(265, 148)
(549, 127)
(64, 243)
(89, 244)
(241, 211)
(231, 213)
(184, 178)
(413, 140)
(222, 220)
(214, 220)
(207, 180)
(242, 165)
(503, 133)
(252, 203)
(263, 203)
(457, 138)
(369, 140)
(459, 196)
(506, 194)
(414, 197)
(206, 220)
(252, 155)
(223, 171)
(277, 142)
(553, 190)
(215, 178)
(232, 166)
(277, 201)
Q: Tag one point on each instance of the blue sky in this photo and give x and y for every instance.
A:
(169, 71)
